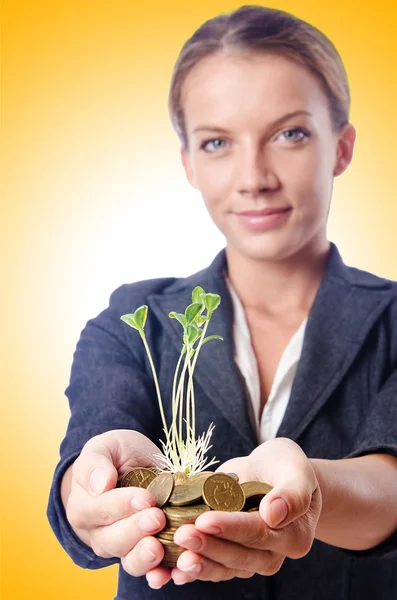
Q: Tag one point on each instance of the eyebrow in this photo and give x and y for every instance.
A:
(276, 122)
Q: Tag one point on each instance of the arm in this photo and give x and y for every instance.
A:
(108, 390)
(359, 496)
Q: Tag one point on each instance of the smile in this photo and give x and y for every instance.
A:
(264, 219)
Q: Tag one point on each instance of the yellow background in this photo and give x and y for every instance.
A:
(90, 164)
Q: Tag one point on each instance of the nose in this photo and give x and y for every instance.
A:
(254, 172)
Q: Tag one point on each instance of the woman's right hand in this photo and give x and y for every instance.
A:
(116, 522)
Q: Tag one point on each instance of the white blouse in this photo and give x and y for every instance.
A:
(269, 421)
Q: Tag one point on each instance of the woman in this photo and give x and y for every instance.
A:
(260, 102)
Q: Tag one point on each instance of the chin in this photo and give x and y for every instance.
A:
(275, 246)
(263, 251)
(272, 245)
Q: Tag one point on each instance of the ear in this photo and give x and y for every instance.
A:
(345, 146)
(188, 167)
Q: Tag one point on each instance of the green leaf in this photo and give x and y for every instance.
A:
(211, 337)
(192, 334)
(130, 320)
(212, 301)
(179, 317)
(196, 327)
(192, 311)
(200, 320)
(197, 294)
(140, 316)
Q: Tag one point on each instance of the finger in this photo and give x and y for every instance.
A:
(247, 529)
(286, 504)
(84, 511)
(143, 558)
(230, 554)
(96, 469)
(122, 536)
(180, 577)
(250, 530)
(293, 479)
(158, 577)
(197, 567)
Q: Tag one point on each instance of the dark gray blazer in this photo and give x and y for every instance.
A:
(343, 404)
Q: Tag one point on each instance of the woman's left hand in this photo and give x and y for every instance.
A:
(223, 545)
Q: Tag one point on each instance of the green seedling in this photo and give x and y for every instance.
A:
(181, 450)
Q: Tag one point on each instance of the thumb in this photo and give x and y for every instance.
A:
(100, 480)
(282, 506)
(96, 469)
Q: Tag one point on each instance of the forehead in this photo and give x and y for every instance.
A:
(231, 86)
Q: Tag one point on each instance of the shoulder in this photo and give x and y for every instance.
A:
(342, 274)
(365, 279)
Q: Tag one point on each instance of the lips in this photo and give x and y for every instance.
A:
(264, 218)
(264, 211)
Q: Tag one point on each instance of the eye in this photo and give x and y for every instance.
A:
(304, 134)
(214, 143)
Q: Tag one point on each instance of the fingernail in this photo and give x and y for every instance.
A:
(97, 480)
(146, 554)
(188, 578)
(193, 568)
(139, 504)
(149, 523)
(278, 512)
(212, 529)
(193, 543)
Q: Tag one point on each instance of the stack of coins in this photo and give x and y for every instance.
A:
(183, 499)
(175, 517)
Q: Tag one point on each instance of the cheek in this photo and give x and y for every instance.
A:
(214, 180)
(311, 178)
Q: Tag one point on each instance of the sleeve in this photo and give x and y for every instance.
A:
(109, 389)
(378, 434)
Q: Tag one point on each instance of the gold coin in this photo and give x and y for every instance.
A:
(187, 493)
(255, 488)
(254, 492)
(200, 476)
(165, 536)
(179, 477)
(161, 488)
(221, 492)
(167, 542)
(184, 514)
(233, 475)
(171, 555)
(138, 477)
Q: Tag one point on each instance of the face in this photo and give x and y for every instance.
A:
(262, 152)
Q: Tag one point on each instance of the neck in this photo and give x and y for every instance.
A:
(276, 287)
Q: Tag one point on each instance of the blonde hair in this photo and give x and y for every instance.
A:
(253, 29)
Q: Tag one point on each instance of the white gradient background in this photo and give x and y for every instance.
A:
(92, 188)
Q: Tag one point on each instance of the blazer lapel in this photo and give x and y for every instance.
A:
(215, 370)
(346, 306)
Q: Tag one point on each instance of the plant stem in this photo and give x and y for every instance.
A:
(209, 315)
(156, 383)
(175, 440)
(190, 403)
(190, 389)
(180, 400)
